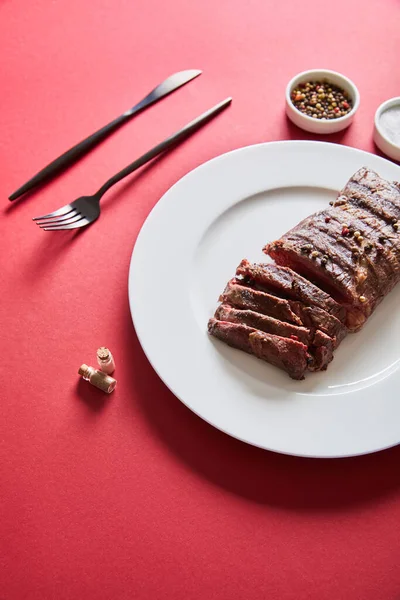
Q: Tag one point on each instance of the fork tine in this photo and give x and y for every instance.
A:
(62, 223)
(82, 223)
(64, 210)
(75, 216)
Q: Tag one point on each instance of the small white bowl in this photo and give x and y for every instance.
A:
(381, 139)
(317, 125)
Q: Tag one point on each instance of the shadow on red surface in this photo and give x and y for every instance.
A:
(295, 133)
(258, 475)
(95, 399)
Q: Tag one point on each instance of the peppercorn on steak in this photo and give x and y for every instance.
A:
(330, 273)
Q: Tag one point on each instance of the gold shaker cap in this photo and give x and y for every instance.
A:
(83, 370)
(103, 353)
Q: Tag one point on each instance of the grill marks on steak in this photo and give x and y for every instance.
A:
(326, 280)
(367, 189)
(360, 197)
(284, 281)
(263, 322)
(357, 273)
(285, 253)
(317, 318)
(284, 353)
(320, 345)
(245, 311)
(379, 267)
(329, 242)
(313, 326)
(247, 298)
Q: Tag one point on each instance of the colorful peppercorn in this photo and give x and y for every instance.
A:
(321, 100)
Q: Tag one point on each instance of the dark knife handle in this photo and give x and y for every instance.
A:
(71, 155)
(172, 83)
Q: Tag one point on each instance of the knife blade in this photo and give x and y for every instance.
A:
(69, 157)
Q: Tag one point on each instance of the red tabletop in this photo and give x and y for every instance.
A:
(131, 495)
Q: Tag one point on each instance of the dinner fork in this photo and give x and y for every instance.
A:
(86, 209)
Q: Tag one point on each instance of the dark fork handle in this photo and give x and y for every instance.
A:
(170, 141)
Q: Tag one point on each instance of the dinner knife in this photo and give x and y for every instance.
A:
(170, 84)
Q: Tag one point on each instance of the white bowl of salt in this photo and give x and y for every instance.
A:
(387, 128)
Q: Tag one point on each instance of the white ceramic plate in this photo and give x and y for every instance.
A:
(188, 249)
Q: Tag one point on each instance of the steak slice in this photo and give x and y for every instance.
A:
(283, 280)
(264, 323)
(357, 270)
(316, 249)
(294, 312)
(320, 345)
(289, 355)
(244, 297)
(322, 351)
(317, 318)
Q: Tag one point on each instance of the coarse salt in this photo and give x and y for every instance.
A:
(390, 124)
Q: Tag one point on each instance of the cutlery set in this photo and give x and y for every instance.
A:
(85, 210)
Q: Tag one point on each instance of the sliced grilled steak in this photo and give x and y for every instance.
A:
(264, 323)
(317, 249)
(357, 270)
(317, 318)
(332, 270)
(284, 353)
(292, 311)
(322, 351)
(284, 281)
(320, 345)
(366, 189)
(233, 334)
(247, 298)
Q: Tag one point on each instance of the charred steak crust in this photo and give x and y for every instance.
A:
(320, 346)
(263, 322)
(317, 318)
(331, 271)
(292, 285)
(321, 350)
(353, 248)
(244, 297)
(289, 355)
(367, 189)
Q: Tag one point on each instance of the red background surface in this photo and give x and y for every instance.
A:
(131, 495)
